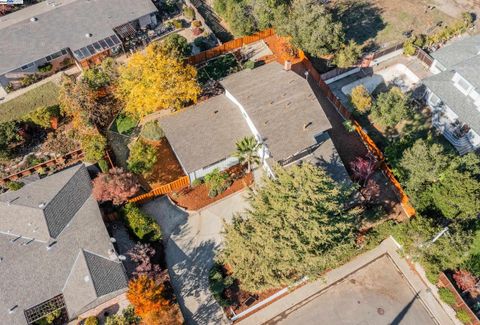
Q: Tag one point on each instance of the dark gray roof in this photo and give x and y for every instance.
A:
(442, 85)
(205, 133)
(107, 275)
(281, 105)
(458, 51)
(326, 157)
(54, 200)
(62, 26)
(32, 274)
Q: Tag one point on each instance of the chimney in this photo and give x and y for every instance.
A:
(287, 66)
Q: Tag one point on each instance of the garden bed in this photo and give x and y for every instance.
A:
(167, 168)
(197, 197)
(218, 68)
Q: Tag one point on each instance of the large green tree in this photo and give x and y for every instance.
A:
(391, 107)
(312, 28)
(440, 180)
(297, 226)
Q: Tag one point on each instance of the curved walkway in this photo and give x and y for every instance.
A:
(191, 241)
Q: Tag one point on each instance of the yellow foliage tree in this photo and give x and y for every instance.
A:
(146, 296)
(153, 80)
(361, 99)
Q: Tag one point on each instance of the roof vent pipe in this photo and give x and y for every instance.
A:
(88, 35)
(287, 65)
(33, 19)
(12, 309)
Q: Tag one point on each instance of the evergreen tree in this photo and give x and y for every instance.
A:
(297, 226)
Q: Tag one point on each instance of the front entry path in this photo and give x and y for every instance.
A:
(191, 241)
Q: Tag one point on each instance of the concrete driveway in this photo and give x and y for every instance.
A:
(191, 243)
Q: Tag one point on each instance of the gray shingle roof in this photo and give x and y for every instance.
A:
(62, 26)
(32, 274)
(54, 200)
(441, 84)
(280, 104)
(205, 133)
(458, 51)
(326, 157)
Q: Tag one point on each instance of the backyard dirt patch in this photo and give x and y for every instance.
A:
(385, 21)
(167, 168)
(197, 197)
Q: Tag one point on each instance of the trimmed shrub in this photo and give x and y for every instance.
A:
(189, 13)
(141, 224)
(43, 116)
(152, 131)
(197, 182)
(196, 23)
(102, 163)
(47, 67)
(463, 316)
(447, 296)
(92, 320)
(348, 125)
(409, 47)
(142, 158)
(218, 284)
(361, 99)
(14, 186)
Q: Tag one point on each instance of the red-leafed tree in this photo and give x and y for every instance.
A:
(5, 9)
(142, 254)
(116, 186)
(466, 282)
(363, 168)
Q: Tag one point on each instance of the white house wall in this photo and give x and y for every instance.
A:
(221, 165)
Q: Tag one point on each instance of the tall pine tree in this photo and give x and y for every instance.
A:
(297, 226)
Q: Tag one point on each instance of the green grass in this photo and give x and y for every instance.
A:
(42, 96)
(447, 296)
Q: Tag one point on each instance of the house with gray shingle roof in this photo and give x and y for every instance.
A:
(275, 105)
(55, 32)
(55, 252)
(453, 93)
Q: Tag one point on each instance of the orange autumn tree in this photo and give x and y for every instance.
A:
(145, 295)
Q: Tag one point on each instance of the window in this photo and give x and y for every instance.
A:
(27, 66)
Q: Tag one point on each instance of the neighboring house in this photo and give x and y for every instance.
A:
(66, 31)
(453, 93)
(55, 252)
(275, 105)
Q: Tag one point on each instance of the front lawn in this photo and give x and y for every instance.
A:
(42, 96)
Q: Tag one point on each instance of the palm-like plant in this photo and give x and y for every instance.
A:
(247, 152)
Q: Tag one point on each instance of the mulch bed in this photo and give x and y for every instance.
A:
(197, 197)
(167, 168)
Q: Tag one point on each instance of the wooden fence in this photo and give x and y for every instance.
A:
(424, 57)
(164, 189)
(65, 161)
(369, 143)
(460, 303)
(229, 46)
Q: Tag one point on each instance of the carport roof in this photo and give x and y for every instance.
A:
(206, 133)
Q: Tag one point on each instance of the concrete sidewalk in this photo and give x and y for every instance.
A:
(377, 287)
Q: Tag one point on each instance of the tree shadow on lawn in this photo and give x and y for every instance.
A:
(362, 21)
